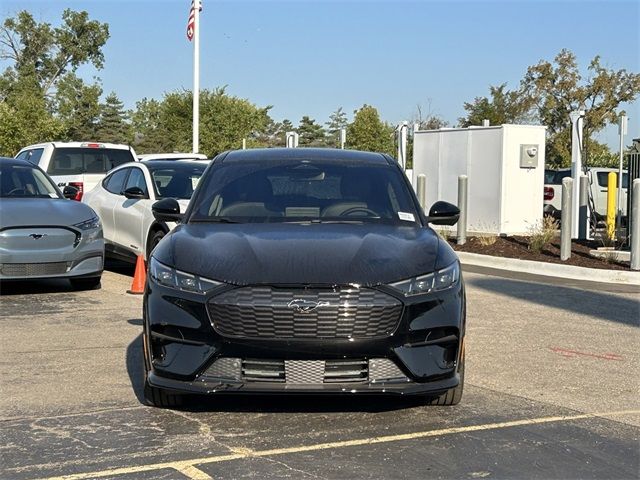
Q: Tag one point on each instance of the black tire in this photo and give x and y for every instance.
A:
(85, 283)
(153, 396)
(157, 397)
(154, 240)
(452, 396)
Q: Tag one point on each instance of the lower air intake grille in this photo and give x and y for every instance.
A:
(33, 269)
(345, 371)
(306, 372)
(263, 370)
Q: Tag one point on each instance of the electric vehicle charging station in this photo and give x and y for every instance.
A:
(505, 168)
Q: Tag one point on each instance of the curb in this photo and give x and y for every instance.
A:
(569, 272)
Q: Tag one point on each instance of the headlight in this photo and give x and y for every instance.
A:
(432, 282)
(90, 224)
(172, 278)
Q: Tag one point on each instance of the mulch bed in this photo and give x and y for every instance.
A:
(518, 247)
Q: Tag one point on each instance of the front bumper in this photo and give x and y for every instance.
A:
(85, 258)
(182, 348)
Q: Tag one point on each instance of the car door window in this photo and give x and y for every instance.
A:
(136, 179)
(32, 156)
(114, 183)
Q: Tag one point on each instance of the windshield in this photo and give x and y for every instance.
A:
(304, 191)
(25, 181)
(176, 182)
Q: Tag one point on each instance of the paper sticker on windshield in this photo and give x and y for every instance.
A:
(406, 216)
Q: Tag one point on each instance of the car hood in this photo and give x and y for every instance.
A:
(23, 212)
(244, 254)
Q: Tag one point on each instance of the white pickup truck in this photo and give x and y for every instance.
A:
(598, 179)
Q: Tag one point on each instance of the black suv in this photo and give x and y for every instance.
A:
(304, 271)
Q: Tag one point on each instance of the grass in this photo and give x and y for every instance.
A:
(541, 235)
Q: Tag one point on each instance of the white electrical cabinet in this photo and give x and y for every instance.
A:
(505, 169)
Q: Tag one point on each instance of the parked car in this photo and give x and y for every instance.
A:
(598, 179)
(123, 201)
(78, 164)
(304, 271)
(172, 156)
(42, 234)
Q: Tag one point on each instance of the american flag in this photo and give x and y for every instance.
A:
(191, 23)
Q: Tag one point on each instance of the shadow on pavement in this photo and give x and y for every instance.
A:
(614, 308)
(24, 287)
(121, 267)
(134, 364)
(268, 403)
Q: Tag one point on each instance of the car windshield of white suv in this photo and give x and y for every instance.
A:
(74, 161)
(176, 182)
(304, 191)
(25, 182)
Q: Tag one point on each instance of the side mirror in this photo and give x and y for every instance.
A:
(134, 193)
(443, 213)
(167, 210)
(69, 192)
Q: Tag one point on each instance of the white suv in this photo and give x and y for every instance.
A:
(78, 164)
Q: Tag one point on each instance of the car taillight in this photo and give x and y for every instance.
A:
(549, 193)
(80, 187)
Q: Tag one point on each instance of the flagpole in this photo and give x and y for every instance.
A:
(196, 77)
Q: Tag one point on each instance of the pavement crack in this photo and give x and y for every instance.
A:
(293, 469)
(60, 433)
(204, 430)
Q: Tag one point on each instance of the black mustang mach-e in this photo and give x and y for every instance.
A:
(304, 271)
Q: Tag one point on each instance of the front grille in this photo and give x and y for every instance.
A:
(269, 312)
(33, 269)
(306, 372)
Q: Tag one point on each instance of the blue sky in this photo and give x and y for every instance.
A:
(309, 58)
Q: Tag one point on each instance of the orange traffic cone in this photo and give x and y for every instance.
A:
(139, 277)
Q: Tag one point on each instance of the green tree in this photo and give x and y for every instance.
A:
(337, 121)
(77, 105)
(41, 60)
(503, 107)
(150, 133)
(311, 133)
(26, 120)
(367, 132)
(114, 125)
(224, 121)
(558, 88)
(44, 53)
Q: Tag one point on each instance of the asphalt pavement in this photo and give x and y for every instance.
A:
(551, 392)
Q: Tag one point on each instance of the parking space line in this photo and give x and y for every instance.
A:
(194, 473)
(183, 465)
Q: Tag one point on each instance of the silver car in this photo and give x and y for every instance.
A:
(44, 235)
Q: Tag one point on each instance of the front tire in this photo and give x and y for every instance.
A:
(452, 396)
(154, 240)
(157, 397)
(153, 396)
(85, 283)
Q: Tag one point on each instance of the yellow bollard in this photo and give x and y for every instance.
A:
(612, 191)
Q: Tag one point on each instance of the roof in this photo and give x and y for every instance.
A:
(324, 154)
(118, 146)
(156, 164)
(15, 161)
(172, 156)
